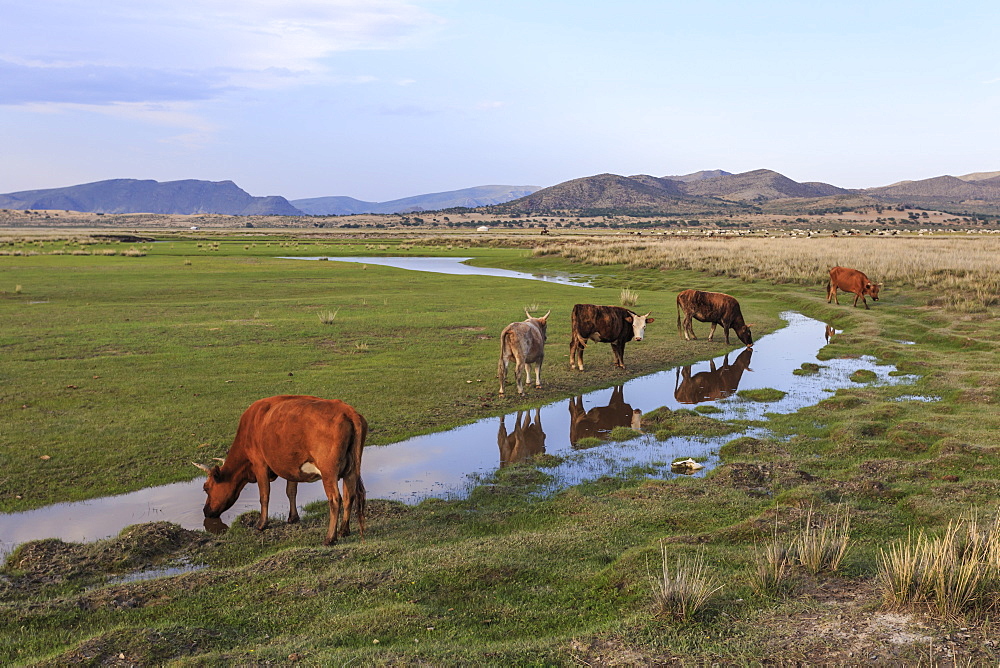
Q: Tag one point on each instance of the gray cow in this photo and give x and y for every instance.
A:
(524, 343)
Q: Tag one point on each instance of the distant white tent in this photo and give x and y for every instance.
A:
(482, 228)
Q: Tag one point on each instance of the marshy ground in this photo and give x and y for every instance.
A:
(503, 576)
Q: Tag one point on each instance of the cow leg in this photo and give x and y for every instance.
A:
(347, 485)
(538, 374)
(333, 498)
(688, 328)
(619, 351)
(264, 489)
(519, 370)
(502, 370)
(711, 332)
(576, 354)
(292, 490)
(836, 299)
(726, 330)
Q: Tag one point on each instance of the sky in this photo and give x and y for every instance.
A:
(384, 99)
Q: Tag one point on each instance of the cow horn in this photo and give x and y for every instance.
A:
(219, 459)
(544, 317)
(202, 467)
(526, 312)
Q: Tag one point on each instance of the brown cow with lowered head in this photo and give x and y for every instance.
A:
(851, 280)
(300, 439)
(714, 307)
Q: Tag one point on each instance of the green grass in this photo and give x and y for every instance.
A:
(503, 577)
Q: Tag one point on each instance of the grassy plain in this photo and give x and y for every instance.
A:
(501, 578)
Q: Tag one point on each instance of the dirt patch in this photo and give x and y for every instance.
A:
(140, 546)
(138, 647)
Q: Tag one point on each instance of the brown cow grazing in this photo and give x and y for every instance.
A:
(524, 343)
(300, 439)
(604, 324)
(600, 420)
(718, 383)
(851, 280)
(526, 441)
(714, 307)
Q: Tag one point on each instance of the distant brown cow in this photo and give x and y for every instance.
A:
(600, 420)
(714, 307)
(604, 324)
(718, 383)
(851, 280)
(300, 439)
(524, 343)
(526, 441)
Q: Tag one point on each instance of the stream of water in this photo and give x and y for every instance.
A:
(449, 463)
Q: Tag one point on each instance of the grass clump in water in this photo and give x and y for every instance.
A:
(763, 394)
(666, 423)
(864, 376)
(807, 369)
(623, 434)
(707, 410)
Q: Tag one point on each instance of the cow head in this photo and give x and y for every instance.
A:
(540, 322)
(872, 290)
(639, 323)
(222, 490)
(744, 335)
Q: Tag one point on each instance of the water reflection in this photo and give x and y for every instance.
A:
(600, 420)
(716, 383)
(526, 441)
(830, 333)
(446, 464)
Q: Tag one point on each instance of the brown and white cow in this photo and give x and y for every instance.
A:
(526, 441)
(524, 343)
(604, 324)
(851, 280)
(714, 307)
(717, 383)
(600, 420)
(300, 439)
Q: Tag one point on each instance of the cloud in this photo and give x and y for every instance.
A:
(155, 50)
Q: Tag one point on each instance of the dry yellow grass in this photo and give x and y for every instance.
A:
(963, 270)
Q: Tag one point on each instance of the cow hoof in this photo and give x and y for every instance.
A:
(293, 520)
(330, 541)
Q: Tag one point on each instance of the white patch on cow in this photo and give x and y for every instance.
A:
(310, 469)
(639, 326)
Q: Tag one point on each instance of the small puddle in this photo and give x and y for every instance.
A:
(448, 464)
(153, 573)
(452, 265)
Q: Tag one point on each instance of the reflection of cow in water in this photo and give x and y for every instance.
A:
(526, 441)
(600, 420)
(718, 383)
(830, 333)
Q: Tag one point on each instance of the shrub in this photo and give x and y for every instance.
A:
(629, 297)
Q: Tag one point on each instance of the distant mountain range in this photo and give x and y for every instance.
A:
(467, 197)
(709, 191)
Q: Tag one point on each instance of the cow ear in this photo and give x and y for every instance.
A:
(628, 318)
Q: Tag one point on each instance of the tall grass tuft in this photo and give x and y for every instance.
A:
(957, 573)
(772, 567)
(685, 591)
(629, 297)
(822, 547)
(327, 317)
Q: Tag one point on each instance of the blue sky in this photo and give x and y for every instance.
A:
(382, 99)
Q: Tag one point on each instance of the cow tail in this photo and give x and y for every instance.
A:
(679, 332)
(502, 364)
(359, 498)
